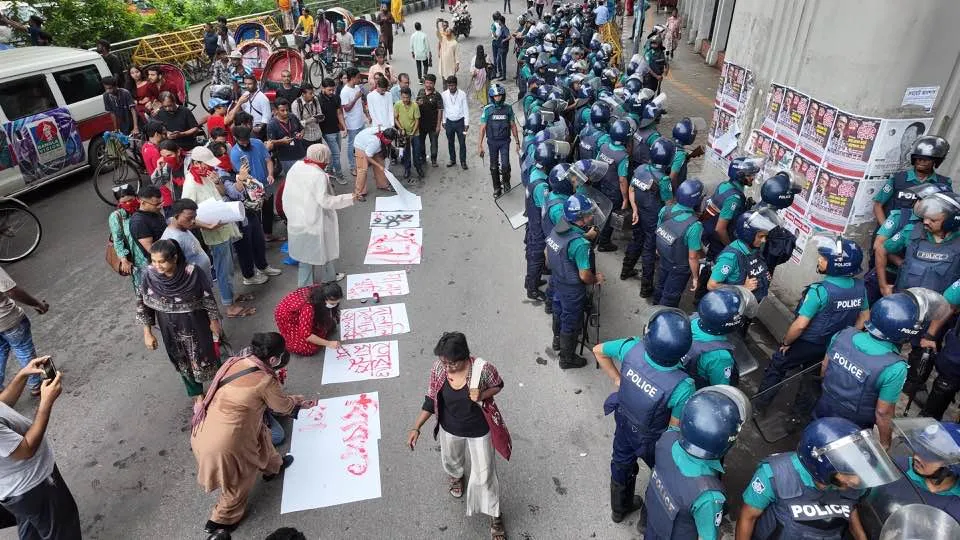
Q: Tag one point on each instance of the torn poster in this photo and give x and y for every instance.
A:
(373, 321)
(336, 453)
(395, 220)
(402, 201)
(389, 246)
(361, 362)
(392, 283)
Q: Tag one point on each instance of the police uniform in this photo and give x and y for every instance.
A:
(650, 200)
(524, 75)
(727, 202)
(617, 158)
(737, 262)
(568, 252)
(925, 263)
(861, 369)
(911, 485)
(581, 120)
(678, 232)
(679, 165)
(499, 120)
(709, 360)
(528, 147)
(649, 396)
(684, 498)
(642, 139)
(896, 221)
(831, 305)
(535, 239)
(793, 507)
(589, 140)
(530, 104)
(894, 194)
(947, 361)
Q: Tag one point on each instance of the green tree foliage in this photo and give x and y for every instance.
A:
(177, 14)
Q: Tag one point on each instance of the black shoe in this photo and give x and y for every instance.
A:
(420, 173)
(212, 527)
(548, 308)
(607, 247)
(287, 462)
(617, 517)
(536, 295)
(406, 175)
(464, 166)
(568, 358)
(451, 164)
(497, 193)
(646, 289)
(627, 274)
(541, 282)
(434, 162)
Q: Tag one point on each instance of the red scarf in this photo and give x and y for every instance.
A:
(130, 206)
(319, 164)
(199, 172)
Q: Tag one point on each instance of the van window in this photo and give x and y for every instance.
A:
(26, 96)
(78, 84)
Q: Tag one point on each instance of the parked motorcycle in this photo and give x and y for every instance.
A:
(462, 24)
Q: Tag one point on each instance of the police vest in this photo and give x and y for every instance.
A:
(610, 183)
(535, 233)
(928, 264)
(751, 265)
(579, 122)
(850, 382)
(901, 197)
(948, 359)
(564, 269)
(691, 361)
(671, 238)
(526, 167)
(641, 146)
(801, 512)
(841, 311)
(499, 121)
(714, 206)
(587, 146)
(670, 495)
(553, 68)
(547, 224)
(904, 491)
(644, 393)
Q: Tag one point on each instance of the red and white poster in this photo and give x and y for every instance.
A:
(791, 116)
(774, 103)
(815, 131)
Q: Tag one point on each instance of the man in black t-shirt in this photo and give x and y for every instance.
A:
(181, 126)
(287, 90)
(332, 126)
(147, 224)
(431, 109)
(287, 133)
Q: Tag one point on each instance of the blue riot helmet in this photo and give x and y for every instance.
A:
(661, 153)
(543, 91)
(901, 316)
(530, 55)
(712, 419)
(566, 58)
(940, 206)
(595, 44)
(922, 191)
(497, 90)
(549, 153)
(931, 147)
(607, 49)
(533, 123)
(633, 85)
(649, 115)
(578, 206)
(560, 180)
(843, 256)
(779, 190)
(589, 170)
(621, 131)
(586, 37)
(833, 446)
(586, 91)
(597, 68)
(690, 193)
(684, 132)
(725, 309)
(667, 336)
(741, 169)
(935, 443)
(599, 114)
(752, 223)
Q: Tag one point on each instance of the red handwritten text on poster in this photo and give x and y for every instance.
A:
(356, 432)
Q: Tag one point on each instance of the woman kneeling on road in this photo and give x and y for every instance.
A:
(308, 317)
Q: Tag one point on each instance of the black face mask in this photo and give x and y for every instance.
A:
(937, 477)
(244, 147)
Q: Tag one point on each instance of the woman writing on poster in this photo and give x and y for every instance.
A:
(308, 316)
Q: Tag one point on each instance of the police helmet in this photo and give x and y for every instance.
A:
(633, 85)
(662, 151)
(595, 44)
(754, 222)
(533, 123)
(566, 58)
(611, 74)
(599, 113)
(550, 37)
(932, 147)
(844, 256)
(946, 205)
(723, 310)
(815, 437)
(684, 132)
(560, 181)
(924, 190)
(621, 131)
(496, 90)
(690, 193)
(649, 113)
(741, 169)
(549, 153)
(586, 91)
(578, 206)
(543, 92)
(711, 421)
(530, 55)
(598, 68)
(667, 336)
(535, 80)
(779, 190)
(901, 316)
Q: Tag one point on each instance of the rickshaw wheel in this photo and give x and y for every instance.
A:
(205, 96)
(20, 231)
(114, 172)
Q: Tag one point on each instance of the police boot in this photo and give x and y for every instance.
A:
(646, 288)
(629, 269)
(622, 500)
(505, 179)
(568, 357)
(940, 398)
(548, 306)
(556, 333)
(921, 364)
(495, 178)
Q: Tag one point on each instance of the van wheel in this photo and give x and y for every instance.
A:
(96, 151)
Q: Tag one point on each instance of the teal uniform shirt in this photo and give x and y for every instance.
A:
(952, 294)
(623, 167)
(694, 232)
(709, 504)
(540, 195)
(527, 144)
(921, 483)
(526, 72)
(889, 226)
(760, 493)
(664, 186)
(529, 101)
(618, 349)
(898, 242)
(486, 113)
(600, 140)
(714, 366)
(579, 249)
(891, 379)
(585, 115)
(886, 192)
(536, 173)
(727, 269)
(556, 213)
(817, 298)
(679, 158)
(732, 205)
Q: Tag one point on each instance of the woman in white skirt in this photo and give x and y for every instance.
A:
(463, 428)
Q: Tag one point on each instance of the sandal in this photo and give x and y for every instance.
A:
(245, 297)
(245, 312)
(362, 197)
(388, 189)
(497, 531)
(456, 487)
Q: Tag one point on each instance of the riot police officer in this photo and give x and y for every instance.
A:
(651, 393)
(863, 372)
(685, 497)
(537, 191)
(531, 99)
(532, 125)
(646, 133)
(684, 133)
(616, 155)
(497, 125)
(826, 308)
(947, 360)
(710, 360)
(678, 237)
(526, 72)
(595, 132)
(813, 492)
(649, 191)
(927, 154)
(570, 259)
(741, 262)
(778, 192)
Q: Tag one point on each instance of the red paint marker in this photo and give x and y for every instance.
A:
(376, 298)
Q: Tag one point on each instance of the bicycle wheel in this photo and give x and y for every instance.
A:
(205, 95)
(112, 173)
(20, 232)
(316, 70)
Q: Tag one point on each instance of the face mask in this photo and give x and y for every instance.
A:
(171, 161)
(330, 306)
(130, 206)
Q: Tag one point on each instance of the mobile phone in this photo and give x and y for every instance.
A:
(49, 370)
(244, 161)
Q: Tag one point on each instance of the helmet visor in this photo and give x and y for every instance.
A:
(602, 202)
(860, 459)
(935, 206)
(933, 305)
(748, 301)
(929, 439)
(562, 148)
(753, 164)
(763, 219)
(699, 124)
(590, 170)
(735, 395)
(829, 243)
(616, 105)
(916, 521)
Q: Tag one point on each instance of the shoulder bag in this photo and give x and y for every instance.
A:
(114, 260)
(499, 434)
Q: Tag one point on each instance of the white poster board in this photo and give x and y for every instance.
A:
(374, 321)
(361, 362)
(384, 284)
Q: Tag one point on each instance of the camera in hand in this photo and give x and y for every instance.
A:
(49, 370)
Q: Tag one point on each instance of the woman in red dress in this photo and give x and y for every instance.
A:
(308, 316)
(147, 95)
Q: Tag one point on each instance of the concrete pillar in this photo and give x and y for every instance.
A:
(721, 29)
(693, 22)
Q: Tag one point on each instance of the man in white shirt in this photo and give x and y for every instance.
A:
(380, 105)
(372, 147)
(456, 120)
(420, 51)
(255, 102)
(354, 111)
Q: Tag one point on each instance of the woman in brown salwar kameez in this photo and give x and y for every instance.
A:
(230, 440)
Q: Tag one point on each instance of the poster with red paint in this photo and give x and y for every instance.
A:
(361, 362)
(774, 103)
(815, 131)
(851, 143)
(759, 143)
(733, 85)
(832, 200)
(807, 170)
(336, 450)
(790, 118)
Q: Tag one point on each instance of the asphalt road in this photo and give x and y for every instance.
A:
(120, 429)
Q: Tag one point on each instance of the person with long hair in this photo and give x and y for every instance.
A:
(132, 258)
(480, 74)
(146, 95)
(229, 438)
(308, 317)
(178, 299)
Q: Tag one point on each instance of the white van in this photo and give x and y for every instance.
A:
(52, 116)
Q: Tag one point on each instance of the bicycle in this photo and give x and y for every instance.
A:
(121, 164)
(326, 63)
(20, 230)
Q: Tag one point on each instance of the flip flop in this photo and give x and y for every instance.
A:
(246, 297)
(245, 312)
(456, 487)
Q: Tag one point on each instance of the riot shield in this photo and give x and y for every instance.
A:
(513, 204)
(603, 203)
(920, 522)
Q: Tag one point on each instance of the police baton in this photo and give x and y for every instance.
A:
(787, 380)
(921, 368)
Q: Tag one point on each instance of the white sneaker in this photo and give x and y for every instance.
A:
(340, 276)
(257, 279)
(270, 271)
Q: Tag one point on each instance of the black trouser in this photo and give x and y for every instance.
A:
(46, 512)
(455, 128)
(423, 68)
(266, 215)
(801, 355)
(434, 136)
(251, 249)
(540, 10)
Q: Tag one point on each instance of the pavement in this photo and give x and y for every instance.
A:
(120, 430)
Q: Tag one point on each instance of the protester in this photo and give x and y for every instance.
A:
(287, 89)
(168, 174)
(220, 117)
(147, 95)
(380, 105)
(312, 224)
(420, 50)
(178, 299)
(463, 428)
(121, 106)
(148, 223)
(255, 103)
(182, 127)
(396, 10)
(332, 124)
(132, 258)
(448, 50)
(481, 73)
(160, 83)
(306, 109)
(354, 111)
(345, 43)
(372, 148)
(230, 440)
(225, 40)
(386, 21)
(403, 81)
(431, 117)
(113, 63)
(286, 132)
(407, 115)
(31, 487)
(254, 152)
(456, 120)
(380, 68)
(308, 317)
(182, 221)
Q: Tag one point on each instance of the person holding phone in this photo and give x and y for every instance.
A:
(15, 327)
